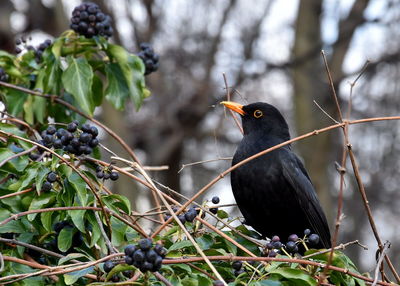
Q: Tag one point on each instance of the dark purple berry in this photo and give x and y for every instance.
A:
(138, 256)
(115, 278)
(182, 218)
(145, 244)
(130, 249)
(275, 238)
(94, 142)
(237, 265)
(108, 266)
(129, 260)
(162, 251)
(85, 137)
(313, 239)
(214, 210)
(307, 232)
(215, 200)
(151, 255)
(86, 127)
(293, 237)
(51, 130)
(114, 176)
(51, 177)
(46, 186)
(100, 174)
(72, 127)
(272, 254)
(57, 144)
(48, 139)
(291, 246)
(94, 131)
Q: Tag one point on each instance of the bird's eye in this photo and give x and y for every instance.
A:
(258, 113)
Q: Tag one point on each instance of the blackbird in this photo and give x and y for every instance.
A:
(273, 192)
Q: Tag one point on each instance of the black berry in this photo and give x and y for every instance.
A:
(293, 237)
(307, 232)
(51, 177)
(108, 266)
(46, 186)
(313, 239)
(114, 176)
(215, 200)
(237, 265)
(214, 210)
(138, 256)
(291, 247)
(72, 127)
(130, 249)
(145, 244)
(129, 260)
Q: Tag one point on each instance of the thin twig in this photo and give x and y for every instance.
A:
(228, 97)
(380, 260)
(202, 162)
(162, 278)
(103, 233)
(325, 112)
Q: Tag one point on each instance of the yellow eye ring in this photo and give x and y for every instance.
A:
(258, 113)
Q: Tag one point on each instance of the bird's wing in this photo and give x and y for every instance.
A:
(295, 173)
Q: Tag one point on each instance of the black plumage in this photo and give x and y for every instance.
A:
(274, 192)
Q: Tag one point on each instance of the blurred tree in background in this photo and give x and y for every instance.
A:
(269, 51)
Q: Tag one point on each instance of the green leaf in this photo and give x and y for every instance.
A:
(80, 186)
(40, 202)
(132, 68)
(77, 217)
(41, 176)
(15, 101)
(222, 214)
(96, 232)
(180, 245)
(97, 91)
(117, 201)
(205, 241)
(27, 178)
(118, 232)
(46, 219)
(71, 278)
(77, 80)
(70, 257)
(15, 165)
(117, 90)
(64, 240)
(296, 276)
(52, 76)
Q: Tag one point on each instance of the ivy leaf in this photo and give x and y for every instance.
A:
(15, 101)
(180, 245)
(77, 218)
(40, 202)
(71, 278)
(80, 186)
(46, 219)
(117, 90)
(132, 69)
(97, 91)
(77, 80)
(296, 276)
(64, 240)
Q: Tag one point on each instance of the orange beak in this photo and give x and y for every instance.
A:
(234, 106)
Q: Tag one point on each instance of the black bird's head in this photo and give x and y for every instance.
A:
(261, 117)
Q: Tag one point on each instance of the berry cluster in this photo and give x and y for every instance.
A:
(38, 51)
(237, 267)
(149, 58)
(72, 140)
(184, 217)
(106, 173)
(3, 75)
(144, 256)
(50, 179)
(88, 20)
(275, 246)
(214, 200)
